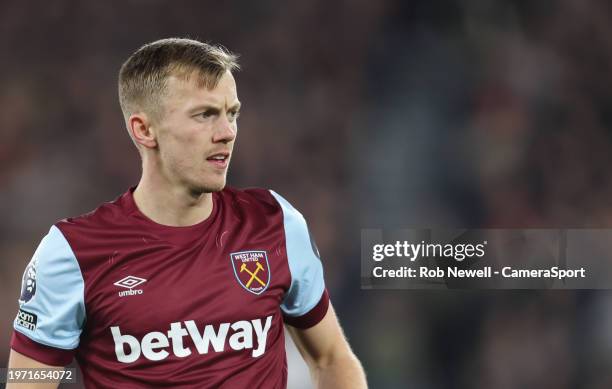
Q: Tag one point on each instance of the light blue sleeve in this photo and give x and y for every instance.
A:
(52, 307)
(307, 284)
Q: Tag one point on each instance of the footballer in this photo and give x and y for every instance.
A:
(181, 281)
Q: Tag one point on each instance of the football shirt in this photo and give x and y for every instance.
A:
(138, 303)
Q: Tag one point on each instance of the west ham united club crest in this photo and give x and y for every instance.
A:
(252, 270)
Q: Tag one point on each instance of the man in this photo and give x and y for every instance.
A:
(180, 281)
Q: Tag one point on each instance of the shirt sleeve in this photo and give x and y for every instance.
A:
(51, 305)
(307, 300)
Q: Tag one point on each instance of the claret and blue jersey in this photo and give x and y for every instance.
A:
(138, 303)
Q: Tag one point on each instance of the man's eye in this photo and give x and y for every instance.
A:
(234, 115)
(207, 114)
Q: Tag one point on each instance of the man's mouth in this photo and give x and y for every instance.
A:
(219, 160)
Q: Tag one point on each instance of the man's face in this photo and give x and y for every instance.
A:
(196, 132)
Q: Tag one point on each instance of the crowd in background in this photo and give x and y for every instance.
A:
(364, 114)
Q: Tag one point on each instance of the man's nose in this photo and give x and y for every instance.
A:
(225, 130)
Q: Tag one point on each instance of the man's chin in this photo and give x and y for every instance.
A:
(210, 187)
(218, 188)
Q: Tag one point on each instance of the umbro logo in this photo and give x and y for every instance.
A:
(129, 283)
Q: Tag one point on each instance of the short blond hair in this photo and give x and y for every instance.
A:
(143, 76)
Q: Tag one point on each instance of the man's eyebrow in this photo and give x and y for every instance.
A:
(214, 108)
(204, 107)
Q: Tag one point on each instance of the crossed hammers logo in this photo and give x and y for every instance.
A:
(254, 277)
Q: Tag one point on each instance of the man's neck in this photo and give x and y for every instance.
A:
(172, 206)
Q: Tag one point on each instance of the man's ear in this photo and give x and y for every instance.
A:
(139, 125)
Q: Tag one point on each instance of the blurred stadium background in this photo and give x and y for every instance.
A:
(364, 114)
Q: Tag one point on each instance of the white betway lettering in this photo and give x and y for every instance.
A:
(262, 334)
(154, 345)
(202, 342)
